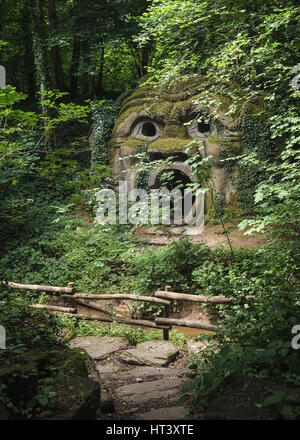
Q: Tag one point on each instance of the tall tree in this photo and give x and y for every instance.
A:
(39, 44)
(57, 76)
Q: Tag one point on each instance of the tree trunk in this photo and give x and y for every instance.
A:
(74, 67)
(28, 53)
(39, 45)
(99, 89)
(41, 59)
(57, 77)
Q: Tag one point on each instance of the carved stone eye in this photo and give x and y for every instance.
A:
(147, 131)
(200, 129)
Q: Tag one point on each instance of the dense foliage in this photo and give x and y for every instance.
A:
(84, 47)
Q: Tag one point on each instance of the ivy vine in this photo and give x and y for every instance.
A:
(104, 116)
(246, 171)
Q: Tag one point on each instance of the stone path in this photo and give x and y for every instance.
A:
(138, 383)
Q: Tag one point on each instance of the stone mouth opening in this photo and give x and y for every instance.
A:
(203, 127)
(172, 177)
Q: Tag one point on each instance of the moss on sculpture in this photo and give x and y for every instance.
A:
(169, 145)
(175, 131)
(164, 122)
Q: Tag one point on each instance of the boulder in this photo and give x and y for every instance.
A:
(107, 402)
(197, 348)
(157, 353)
(99, 347)
(142, 393)
(78, 399)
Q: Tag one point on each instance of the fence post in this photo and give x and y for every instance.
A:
(166, 314)
(71, 286)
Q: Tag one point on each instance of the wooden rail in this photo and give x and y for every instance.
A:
(191, 324)
(70, 289)
(140, 323)
(69, 292)
(197, 298)
(167, 294)
(162, 297)
(119, 296)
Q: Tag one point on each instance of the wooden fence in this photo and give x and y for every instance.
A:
(162, 297)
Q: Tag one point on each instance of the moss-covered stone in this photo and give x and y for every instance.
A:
(76, 362)
(140, 92)
(211, 217)
(235, 147)
(168, 145)
(182, 109)
(133, 143)
(21, 381)
(176, 97)
(174, 131)
(170, 109)
(133, 103)
(218, 140)
(123, 116)
(232, 208)
(161, 109)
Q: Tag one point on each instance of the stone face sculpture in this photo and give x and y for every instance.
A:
(163, 127)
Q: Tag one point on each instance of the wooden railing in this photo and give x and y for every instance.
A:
(69, 292)
(162, 297)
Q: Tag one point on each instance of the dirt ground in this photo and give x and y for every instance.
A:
(213, 236)
(243, 400)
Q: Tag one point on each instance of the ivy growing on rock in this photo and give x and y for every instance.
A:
(104, 116)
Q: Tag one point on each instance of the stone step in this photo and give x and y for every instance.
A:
(154, 391)
(142, 374)
(158, 353)
(100, 347)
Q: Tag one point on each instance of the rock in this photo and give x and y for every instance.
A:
(138, 393)
(107, 372)
(172, 413)
(194, 347)
(82, 399)
(21, 381)
(158, 353)
(99, 347)
(141, 374)
(148, 373)
(197, 348)
(76, 362)
(107, 402)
